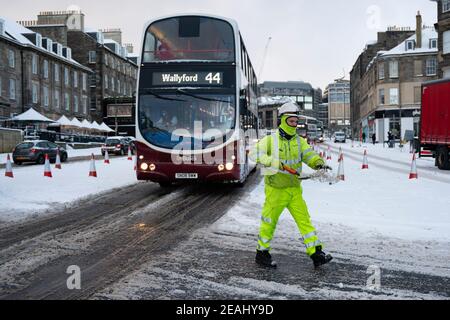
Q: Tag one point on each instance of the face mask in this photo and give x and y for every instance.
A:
(287, 128)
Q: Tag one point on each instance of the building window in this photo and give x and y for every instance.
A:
(34, 67)
(92, 57)
(418, 68)
(113, 63)
(12, 89)
(269, 119)
(106, 60)
(66, 76)
(84, 81)
(417, 95)
(394, 127)
(393, 96)
(445, 6)
(75, 104)
(118, 86)
(410, 45)
(75, 79)
(446, 40)
(381, 71)
(382, 97)
(393, 69)
(57, 104)
(34, 93)
(46, 100)
(106, 82)
(84, 102)
(67, 102)
(56, 72)
(46, 69)
(431, 66)
(112, 84)
(433, 43)
(11, 58)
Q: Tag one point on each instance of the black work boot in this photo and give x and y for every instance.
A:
(263, 258)
(320, 258)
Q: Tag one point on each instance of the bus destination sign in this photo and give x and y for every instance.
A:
(187, 78)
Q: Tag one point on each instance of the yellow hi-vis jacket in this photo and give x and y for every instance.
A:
(292, 153)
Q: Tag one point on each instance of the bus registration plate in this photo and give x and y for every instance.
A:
(186, 175)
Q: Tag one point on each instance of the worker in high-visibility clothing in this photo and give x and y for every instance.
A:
(281, 151)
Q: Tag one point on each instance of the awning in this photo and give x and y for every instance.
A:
(76, 123)
(64, 121)
(106, 128)
(32, 116)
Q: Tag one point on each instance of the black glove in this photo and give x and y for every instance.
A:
(323, 167)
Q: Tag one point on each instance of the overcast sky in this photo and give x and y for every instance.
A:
(312, 41)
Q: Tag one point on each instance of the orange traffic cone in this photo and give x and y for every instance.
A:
(58, 161)
(340, 174)
(106, 157)
(340, 154)
(93, 171)
(130, 157)
(9, 172)
(365, 164)
(329, 153)
(47, 169)
(413, 174)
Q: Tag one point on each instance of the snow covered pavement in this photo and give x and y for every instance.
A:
(29, 193)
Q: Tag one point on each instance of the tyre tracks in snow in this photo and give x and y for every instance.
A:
(107, 238)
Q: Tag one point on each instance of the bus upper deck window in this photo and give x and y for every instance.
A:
(189, 27)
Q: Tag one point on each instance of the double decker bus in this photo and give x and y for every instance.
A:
(308, 128)
(197, 114)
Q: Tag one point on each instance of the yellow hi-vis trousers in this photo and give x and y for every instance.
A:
(276, 201)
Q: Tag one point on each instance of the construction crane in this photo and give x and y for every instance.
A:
(264, 58)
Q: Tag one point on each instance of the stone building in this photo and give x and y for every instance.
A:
(443, 29)
(337, 95)
(358, 93)
(37, 72)
(387, 95)
(273, 94)
(114, 67)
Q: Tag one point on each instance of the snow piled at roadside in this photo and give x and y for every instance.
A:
(29, 193)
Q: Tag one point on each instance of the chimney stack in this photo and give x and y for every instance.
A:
(418, 30)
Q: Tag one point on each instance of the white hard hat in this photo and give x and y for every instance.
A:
(289, 109)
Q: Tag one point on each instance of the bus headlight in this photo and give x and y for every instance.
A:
(144, 166)
(141, 157)
(229, 166)
(152, 167)
(221, 167)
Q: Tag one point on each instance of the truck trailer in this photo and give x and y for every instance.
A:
(435, 121)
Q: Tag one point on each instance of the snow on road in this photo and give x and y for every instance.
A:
(375, 212)
(29, 193)
(377, 217)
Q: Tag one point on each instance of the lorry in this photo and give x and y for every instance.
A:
(435, 121)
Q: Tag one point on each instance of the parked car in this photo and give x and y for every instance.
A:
(131, 141)
(340, 137)
(116, 145)
(35, 151)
